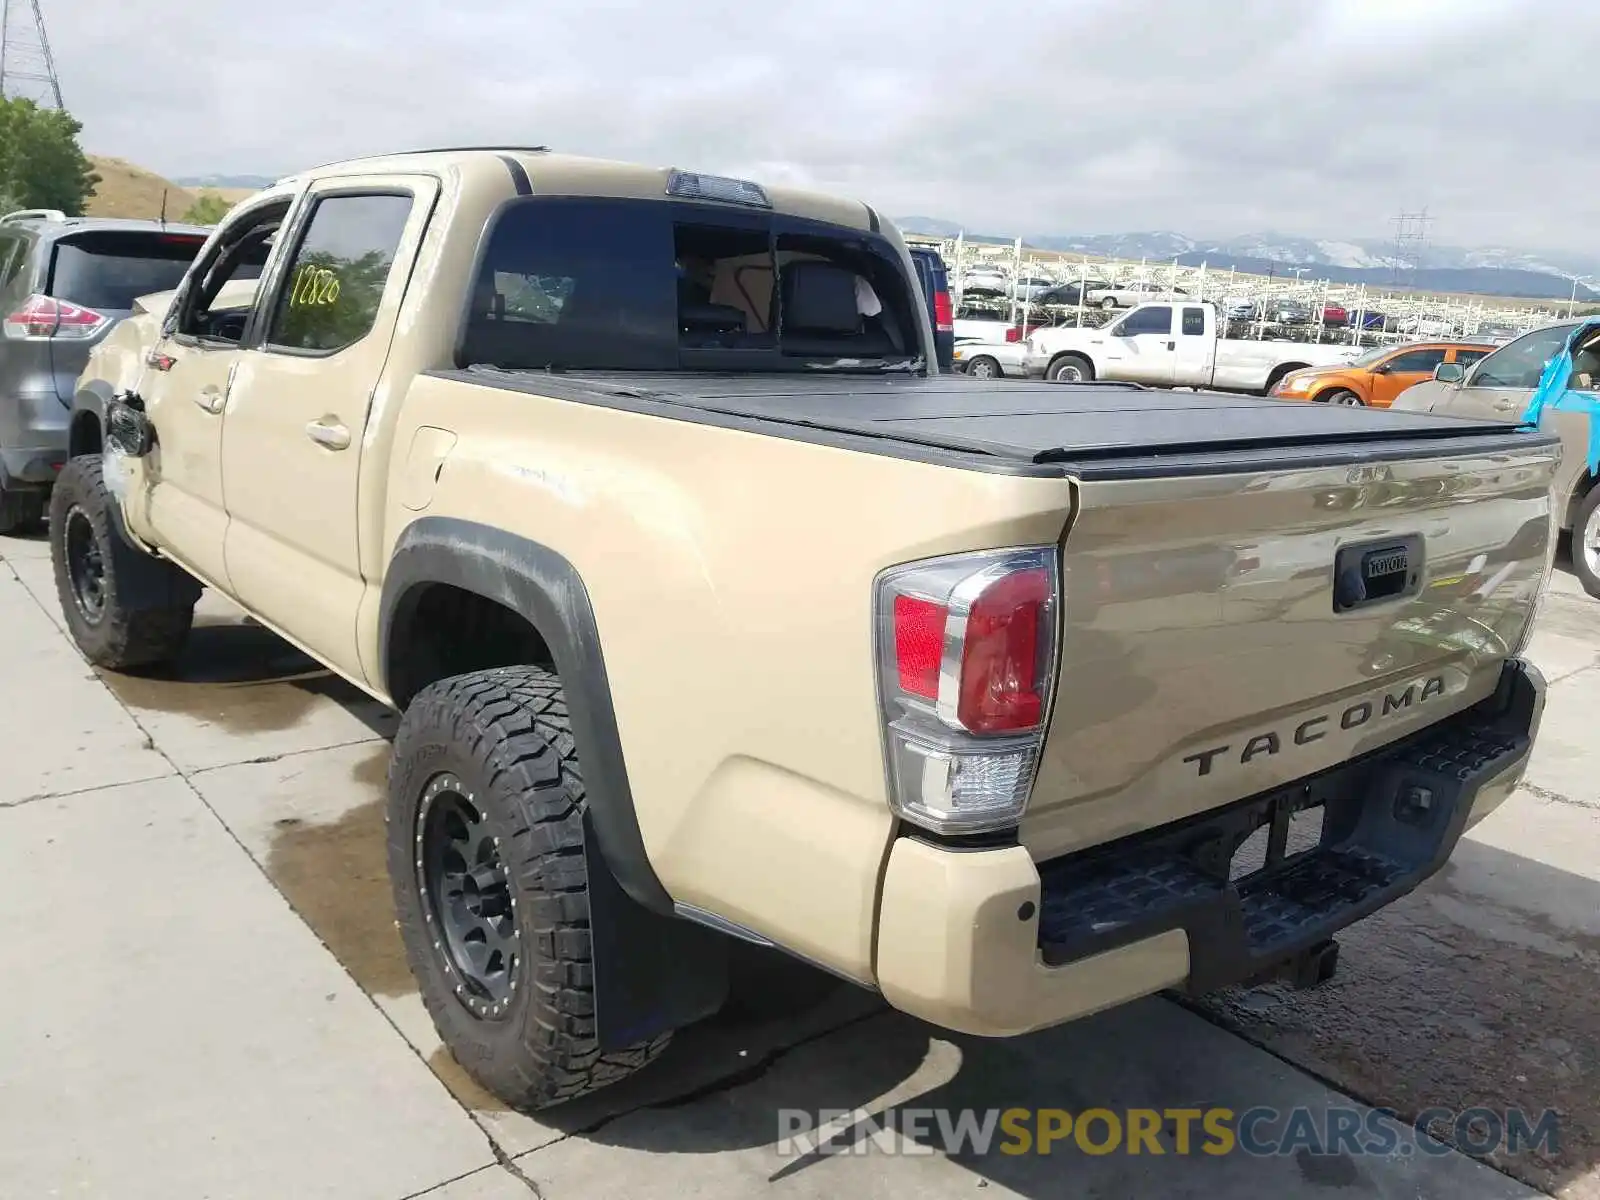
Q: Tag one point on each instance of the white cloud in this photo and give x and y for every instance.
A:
(1052, 116)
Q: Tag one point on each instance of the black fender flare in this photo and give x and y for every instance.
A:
(91, 399)
(545, 588)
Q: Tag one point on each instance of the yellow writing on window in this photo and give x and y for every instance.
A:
(313, 287)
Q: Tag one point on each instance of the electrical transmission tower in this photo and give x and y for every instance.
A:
(27, 70)
(1410, 243)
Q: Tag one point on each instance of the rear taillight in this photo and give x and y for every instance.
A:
(944, 317)
(1013, 334)
(47, 317)
(966, 664)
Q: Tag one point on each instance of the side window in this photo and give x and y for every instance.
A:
(207, 307)
(13, 253)
(1155, 319)
(1519, 364)
(1467, 357)
(1415, 362)
(1586, 368)
(1194, 322)
(330, 295)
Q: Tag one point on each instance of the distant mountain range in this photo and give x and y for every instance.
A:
(253, 182)
(1495, 271)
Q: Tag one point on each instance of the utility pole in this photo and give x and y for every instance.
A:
(27, 68)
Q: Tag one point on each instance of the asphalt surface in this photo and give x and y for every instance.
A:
(204, 994)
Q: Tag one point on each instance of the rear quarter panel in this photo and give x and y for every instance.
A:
(731, 576)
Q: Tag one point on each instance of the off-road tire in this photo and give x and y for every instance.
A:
(20, 512)
(1581, 566)
(990, 368)
(127, 634)
(1084, 367)
(504, 734)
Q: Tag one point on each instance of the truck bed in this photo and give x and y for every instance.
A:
(1092, 431)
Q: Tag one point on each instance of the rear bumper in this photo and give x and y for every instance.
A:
(988, 942)
(33, 438)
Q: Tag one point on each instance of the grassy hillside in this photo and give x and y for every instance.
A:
(126, 190)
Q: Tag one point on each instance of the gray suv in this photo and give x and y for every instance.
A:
(64, 282)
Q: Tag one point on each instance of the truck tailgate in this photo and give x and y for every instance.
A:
(1205, 657)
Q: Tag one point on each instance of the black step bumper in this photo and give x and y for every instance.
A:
(1389, 820)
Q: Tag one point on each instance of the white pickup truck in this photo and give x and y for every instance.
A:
(1171, 345)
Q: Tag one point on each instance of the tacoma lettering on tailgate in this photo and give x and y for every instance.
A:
(1314, 729)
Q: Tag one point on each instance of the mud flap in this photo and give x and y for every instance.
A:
(652, 973)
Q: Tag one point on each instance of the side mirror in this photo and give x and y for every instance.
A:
(1449, 373)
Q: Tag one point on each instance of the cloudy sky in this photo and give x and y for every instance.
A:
(1316, 117)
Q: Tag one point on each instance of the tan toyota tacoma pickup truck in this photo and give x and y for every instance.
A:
(713, 612)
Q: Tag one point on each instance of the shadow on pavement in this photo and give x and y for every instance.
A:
(242, 677)
(1466, 994)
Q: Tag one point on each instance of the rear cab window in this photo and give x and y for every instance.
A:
(107, 270)
(582, 283)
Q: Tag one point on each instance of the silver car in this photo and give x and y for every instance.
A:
(64, 282)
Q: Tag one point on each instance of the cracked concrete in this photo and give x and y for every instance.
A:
(223, 1007)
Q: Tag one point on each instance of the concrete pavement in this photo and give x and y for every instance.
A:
(205, 994)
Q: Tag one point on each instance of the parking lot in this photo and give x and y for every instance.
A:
(205, 994)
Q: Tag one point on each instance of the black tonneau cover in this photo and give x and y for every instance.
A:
(1094, 430)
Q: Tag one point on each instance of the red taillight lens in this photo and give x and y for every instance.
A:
(944, 317)
(45, 316)
(918, 645)
(966, 661)
(1013, 334)
(1000, 667)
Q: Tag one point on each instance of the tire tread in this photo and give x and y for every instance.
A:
(513, 722)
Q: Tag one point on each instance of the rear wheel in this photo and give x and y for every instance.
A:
(1108, 303)
(123, 608)
(1070, 368)
(486, 858)
(1586, 543)
(984, 367)
(1342, 396)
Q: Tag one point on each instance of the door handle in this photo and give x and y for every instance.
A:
(1172, 345)
(210, 398)
(329, 433)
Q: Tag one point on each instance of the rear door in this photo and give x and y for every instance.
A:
(1196, 351)
(1141, 347)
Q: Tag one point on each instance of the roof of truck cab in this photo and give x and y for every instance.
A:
(552, 174)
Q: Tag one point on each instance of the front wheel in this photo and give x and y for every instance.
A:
(123, 608)
(984, 368)
(486, 858)
(1108, 303)
(1343, 397)
(1586, 543)
(1070, 368)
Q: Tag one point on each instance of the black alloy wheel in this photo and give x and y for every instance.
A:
(467, 898)
(86, 566)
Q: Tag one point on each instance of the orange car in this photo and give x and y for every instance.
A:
(1378, 376)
